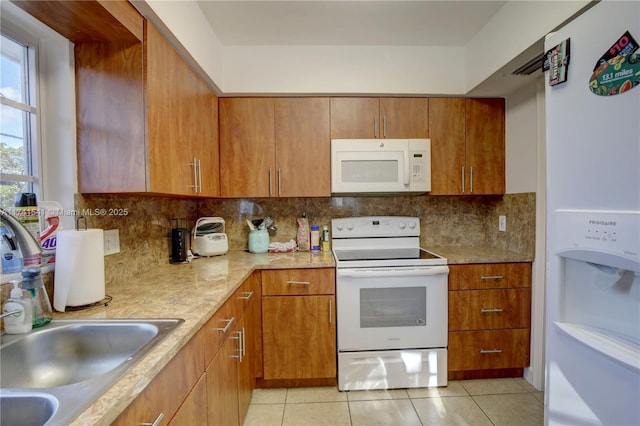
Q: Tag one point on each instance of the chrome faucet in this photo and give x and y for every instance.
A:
(27, 244)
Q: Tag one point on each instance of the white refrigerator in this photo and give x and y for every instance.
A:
(592, 318)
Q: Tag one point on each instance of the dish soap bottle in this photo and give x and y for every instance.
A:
(20, 321)
(32, 282)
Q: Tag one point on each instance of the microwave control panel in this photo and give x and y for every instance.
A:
(420, 163)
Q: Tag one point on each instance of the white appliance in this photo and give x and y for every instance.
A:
(392, 312)
(380, 166)
(208, 237)
(592, 330)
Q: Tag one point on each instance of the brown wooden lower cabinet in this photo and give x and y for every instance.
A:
(489, 320)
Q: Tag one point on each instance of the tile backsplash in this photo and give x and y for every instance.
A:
(445, 221)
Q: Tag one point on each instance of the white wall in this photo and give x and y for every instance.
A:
(358, 69)
(343, 70)
(521, 140)
(516, 26)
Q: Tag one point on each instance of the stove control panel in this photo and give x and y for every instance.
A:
(375, 227)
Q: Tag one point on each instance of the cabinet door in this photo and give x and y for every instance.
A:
(110, 117)
(169, 389)
(170, 130)
(353, 118)
(246, 367)
(447, 133)
(205, 145)
(485, 145)
(247, 147)
(222, 385)
(194, 409)
(303, 147)
(404, 117)
(299, 337)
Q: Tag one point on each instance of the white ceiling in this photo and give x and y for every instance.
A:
(301, 22)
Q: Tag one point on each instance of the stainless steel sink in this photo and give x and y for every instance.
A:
(26, 408)
(73, 362)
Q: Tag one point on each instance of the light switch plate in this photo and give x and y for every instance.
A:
(111, 242)
(502, 223)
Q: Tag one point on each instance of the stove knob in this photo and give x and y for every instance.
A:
(339, 226)
(412, 225)
(349, 226)
(402, 225)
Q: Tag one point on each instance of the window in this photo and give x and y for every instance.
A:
(18, 118)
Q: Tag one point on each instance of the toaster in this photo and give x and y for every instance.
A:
(208, 237)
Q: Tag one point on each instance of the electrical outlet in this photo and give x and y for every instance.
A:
(502, 223)
(111, 242)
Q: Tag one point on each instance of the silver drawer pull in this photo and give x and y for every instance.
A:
(226, 327)
(490, 351)
(156, 422)
(484, 311)
(299, 282)
(492, 277)
(247, 295)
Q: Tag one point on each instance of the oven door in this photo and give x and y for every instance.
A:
(392, 308)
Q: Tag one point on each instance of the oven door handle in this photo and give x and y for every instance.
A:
(373, 273)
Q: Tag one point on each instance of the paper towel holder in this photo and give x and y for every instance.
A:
(78, 219)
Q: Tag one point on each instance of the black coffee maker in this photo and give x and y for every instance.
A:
(179, 238)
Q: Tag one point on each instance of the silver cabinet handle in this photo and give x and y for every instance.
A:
(298, 282)
(199, 176)
(491, 277)
(384, 126)
(462, 172)
(484, 311)
(244, 343)
(156, 422)
(279, 181)
(270, 183)
(471, 180)
(226, 327)
(238, 337)
(330, 312)
(194, 164)
(375, 127)
(490, 351)
(247, 295)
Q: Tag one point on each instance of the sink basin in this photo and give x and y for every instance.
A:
(71, 353)
(26, 409)
(71, 363)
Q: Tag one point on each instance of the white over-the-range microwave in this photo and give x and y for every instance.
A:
(380, 166)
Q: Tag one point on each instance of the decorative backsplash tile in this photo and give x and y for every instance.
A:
(445, 221)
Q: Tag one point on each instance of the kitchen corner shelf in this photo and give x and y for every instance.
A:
(622, 349)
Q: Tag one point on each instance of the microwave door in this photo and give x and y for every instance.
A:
(373, 171)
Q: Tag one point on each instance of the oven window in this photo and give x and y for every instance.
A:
(393, 307)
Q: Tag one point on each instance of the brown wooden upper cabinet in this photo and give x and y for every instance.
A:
(146, 122)
(368, 118)
(467, 146)
(274, 147)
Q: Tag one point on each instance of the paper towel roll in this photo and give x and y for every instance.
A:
(79, 271)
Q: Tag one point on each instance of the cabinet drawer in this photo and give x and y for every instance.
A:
(489, 349)
(489, 275)
(283, 282)
(489, 309)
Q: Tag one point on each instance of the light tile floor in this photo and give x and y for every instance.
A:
(470, 402)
